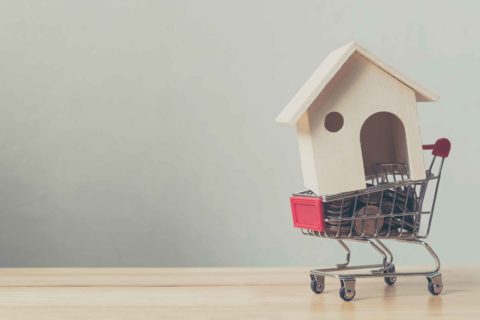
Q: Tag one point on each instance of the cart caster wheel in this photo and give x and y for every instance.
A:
(317, 284)
(390, 280)
(347, 289)
(347, 295)
(435, 284)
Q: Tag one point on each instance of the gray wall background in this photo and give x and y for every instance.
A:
(141, 133)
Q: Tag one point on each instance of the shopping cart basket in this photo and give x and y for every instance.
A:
(390, 207)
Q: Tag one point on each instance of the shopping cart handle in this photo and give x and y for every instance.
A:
(441, 148)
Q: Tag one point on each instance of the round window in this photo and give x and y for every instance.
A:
(333, 121)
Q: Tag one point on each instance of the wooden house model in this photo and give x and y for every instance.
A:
(352, 113)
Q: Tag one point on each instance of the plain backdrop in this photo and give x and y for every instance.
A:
(142, 133)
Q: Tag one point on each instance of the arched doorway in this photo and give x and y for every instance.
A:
(383, 140)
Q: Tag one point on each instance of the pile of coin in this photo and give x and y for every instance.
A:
(335, 212)
(371, 216)
(404, 201)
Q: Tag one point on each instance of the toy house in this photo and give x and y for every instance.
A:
(352, 113)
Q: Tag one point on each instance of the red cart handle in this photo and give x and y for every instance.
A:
(441, 148)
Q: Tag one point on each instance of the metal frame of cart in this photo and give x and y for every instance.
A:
(391, 207)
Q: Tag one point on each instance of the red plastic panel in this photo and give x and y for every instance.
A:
(307, 213)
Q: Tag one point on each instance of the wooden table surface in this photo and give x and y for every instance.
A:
(226, 293)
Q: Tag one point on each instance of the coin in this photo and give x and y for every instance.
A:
(337, 222)
(366, 226)
(338, 209)
(387, 207)
(339, 205)
(396, 194)
(371, 198)
(333, 230)
(403, 224)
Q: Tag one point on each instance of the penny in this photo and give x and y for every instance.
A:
(336, 210)
(396, 194)
(387, 207)
(333, 230)
(338, 206)
(336, 222)
(364, 224)
(371, 198)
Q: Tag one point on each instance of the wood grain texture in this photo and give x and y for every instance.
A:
(227, 293)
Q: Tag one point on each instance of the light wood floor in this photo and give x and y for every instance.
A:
(227, 293)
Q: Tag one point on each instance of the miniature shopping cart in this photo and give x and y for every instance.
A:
(390, 207)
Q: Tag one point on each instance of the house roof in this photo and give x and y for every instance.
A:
(327, 70)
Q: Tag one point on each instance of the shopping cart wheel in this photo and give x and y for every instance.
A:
(390, 280)
(347, 289)
(317, 283)
(435, 284)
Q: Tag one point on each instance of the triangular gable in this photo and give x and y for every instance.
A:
(327, 70)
